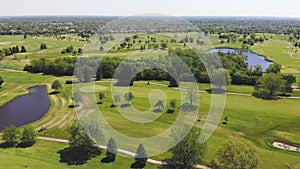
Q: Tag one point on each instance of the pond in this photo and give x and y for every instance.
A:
(252, 59)
(25, 109)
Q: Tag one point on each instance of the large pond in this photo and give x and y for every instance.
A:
(25, 109)
(252, 59)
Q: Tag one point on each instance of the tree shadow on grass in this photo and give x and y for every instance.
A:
(265, 96)
(77, 156)
(137, 165)
(125, 105)
(170, 111)
(4, 145)
(73, 106)
(216, 91)
(54, 92)
(108, 160)
(157, 111)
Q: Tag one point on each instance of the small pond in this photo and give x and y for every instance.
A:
(25, 109)
(252, 59)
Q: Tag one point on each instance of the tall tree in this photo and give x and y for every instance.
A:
(56, 85)
(236, 156)
(78, 138)
(101, 97)
(111, 150)
(10, 136)
(28, 137)
(117, 99)
(173, 104)
(141, 156)
(188, 153)
(128, 97)
(271, 82)
(274, 68)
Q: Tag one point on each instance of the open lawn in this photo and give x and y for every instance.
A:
(45, 154)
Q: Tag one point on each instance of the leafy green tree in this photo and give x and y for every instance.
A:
(141, 156)
(271, 82)
(112, 149)
(78, 137)
(274, 68)
(128, 97)
(1, 81)
(188, 153)
(10, 136)
(164, 45)
(56, 85)
(236, 156)
(258, 71)
(173, 104)
(28, 137)
(101, 97)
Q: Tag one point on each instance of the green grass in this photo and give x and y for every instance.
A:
(32, 44)
(44, 154)
(251, 120)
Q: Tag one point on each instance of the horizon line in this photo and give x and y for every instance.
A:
(137, 15)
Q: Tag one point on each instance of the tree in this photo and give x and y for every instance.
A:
(188, 153)
(219, 78)
(173, 104)
(99, 74)
(101, 97)
(128, 97)
(1, 81)
(43, 46)
(10, 136)
(288, 80)
(164, 45)
(271, 82)
(87, 73)
(117, 99)
(56, 85)
(23, 49)
(258, 71)
(111, 150)
(159, 104)
(28, 137)
(141, 156)
(76, 98)
(274, 68)
(78, 138)
(236, 156)
(191, 95)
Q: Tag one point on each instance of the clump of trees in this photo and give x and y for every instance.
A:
(12, 50)
(270, 83)
(43, 46)
(12, 137)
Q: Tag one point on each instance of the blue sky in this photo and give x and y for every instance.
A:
(285, 8)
